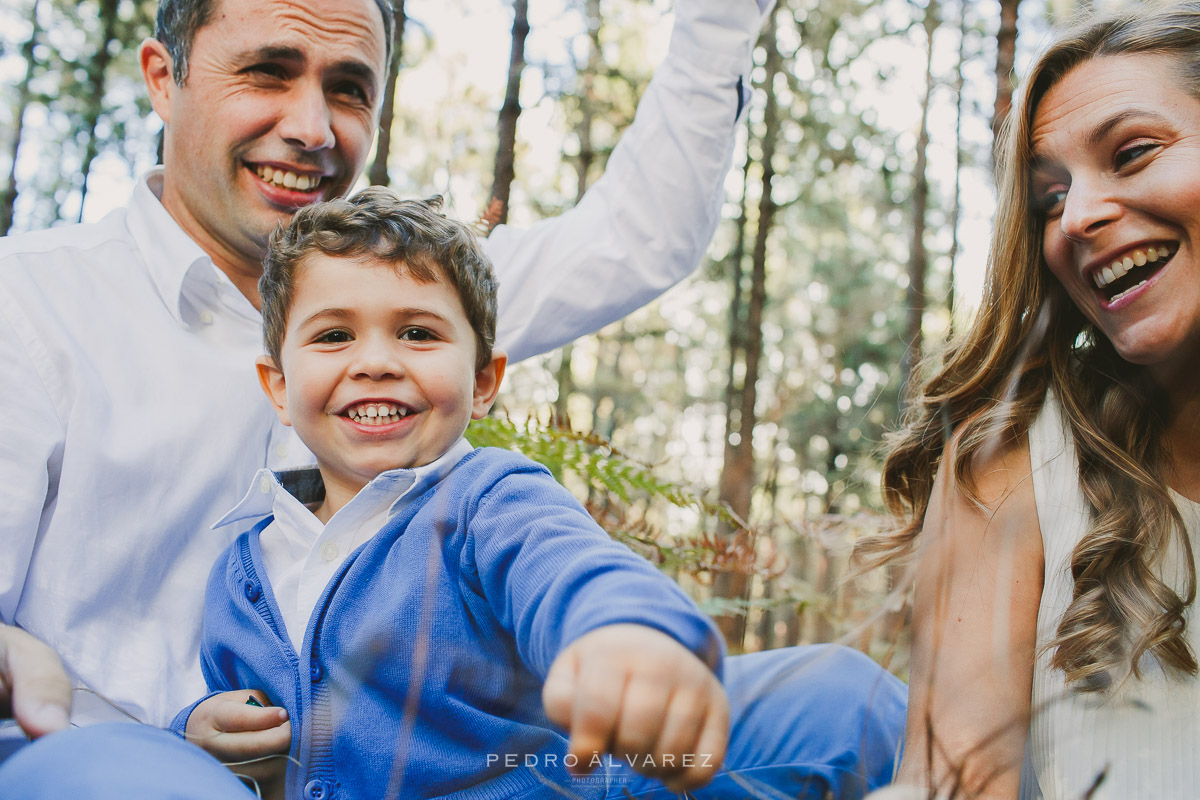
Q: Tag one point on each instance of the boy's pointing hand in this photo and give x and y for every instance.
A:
(638, 694)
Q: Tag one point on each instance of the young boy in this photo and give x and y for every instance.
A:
(424, 623)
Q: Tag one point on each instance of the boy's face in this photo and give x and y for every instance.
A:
(377, 369)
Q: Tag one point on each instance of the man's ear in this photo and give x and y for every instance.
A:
(156, 72)
(270, 377)
(487, 384)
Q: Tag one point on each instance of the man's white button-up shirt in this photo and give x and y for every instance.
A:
(130, 412)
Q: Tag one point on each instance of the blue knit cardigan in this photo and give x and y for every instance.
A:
(422, 664)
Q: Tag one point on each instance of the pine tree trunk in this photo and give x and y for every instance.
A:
(378, 173)
(8, 200)
(1006, 49)
(956, 212)
(583, 165)
(737, 475)
(96, 81)
(506, 147)
(917, 258)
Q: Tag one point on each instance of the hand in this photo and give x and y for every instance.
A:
(34, 687)
(234, 732)
(637, 693)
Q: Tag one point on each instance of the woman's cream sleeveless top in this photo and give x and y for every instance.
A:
(1144, 737)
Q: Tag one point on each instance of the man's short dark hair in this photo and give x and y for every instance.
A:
(178, 22)
(412, 235)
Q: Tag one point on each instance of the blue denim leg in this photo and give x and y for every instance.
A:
(814, 722)
(116, 761)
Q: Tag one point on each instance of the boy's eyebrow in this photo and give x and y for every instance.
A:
(346, 313)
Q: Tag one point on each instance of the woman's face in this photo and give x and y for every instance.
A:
(1116, 175)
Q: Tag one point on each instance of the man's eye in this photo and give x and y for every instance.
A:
(333, 337)
(352, 90)
(267, 70)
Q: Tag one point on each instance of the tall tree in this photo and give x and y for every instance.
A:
(956, 208)
(378, 173)
(509, 111)
(737, 475)
(564, 376)
(1006, 51)
(918, 260)
(8, 199)
(97, 77)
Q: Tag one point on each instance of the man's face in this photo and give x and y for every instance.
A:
(278, 111)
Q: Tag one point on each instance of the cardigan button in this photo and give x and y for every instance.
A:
(314, 671)
(253, 590)
(316, 790)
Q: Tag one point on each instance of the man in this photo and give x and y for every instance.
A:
(267, 105)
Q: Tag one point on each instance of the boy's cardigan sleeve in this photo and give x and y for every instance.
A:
(551, 574)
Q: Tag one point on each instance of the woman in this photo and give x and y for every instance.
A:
(1048, 476)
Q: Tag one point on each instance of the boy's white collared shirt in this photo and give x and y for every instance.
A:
(301, 555)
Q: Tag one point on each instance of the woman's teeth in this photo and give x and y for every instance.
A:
(377, 413)
(1119, 269)
(289, 180)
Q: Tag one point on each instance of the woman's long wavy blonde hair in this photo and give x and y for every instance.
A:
(1027, 338)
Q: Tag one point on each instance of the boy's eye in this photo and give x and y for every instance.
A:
(416, 335)
(333, 337)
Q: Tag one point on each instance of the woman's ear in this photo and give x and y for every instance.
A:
(487, 384)
(274, 385)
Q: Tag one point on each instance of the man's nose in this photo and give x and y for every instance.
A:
(307, 122)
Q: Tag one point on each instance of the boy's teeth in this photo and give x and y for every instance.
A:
(377, 413)
(1120, 268)
(288, 180)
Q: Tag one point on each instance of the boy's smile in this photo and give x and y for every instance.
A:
(377, 371)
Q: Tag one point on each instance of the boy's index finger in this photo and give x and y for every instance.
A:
(599, 694)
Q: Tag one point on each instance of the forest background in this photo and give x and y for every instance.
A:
(730, 431)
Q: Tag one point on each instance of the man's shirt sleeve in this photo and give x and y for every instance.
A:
(646, 224)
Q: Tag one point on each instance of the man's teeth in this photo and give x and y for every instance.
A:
(377, 413)
(289, 180)
(1120, 268)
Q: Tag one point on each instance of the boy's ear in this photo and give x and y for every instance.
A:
(155, 62)
(270, 377)
(487, 384)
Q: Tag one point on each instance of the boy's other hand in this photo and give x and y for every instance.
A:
(234, 732)
(637, 693)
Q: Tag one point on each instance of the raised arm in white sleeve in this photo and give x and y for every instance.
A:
(645, 225)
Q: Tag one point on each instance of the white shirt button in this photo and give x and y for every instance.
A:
(329, 552)
(206, 317)
(281, 450)
(264, 485)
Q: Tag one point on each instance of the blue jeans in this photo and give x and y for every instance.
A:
(807, 722)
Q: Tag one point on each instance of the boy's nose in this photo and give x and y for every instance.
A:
(377, 360)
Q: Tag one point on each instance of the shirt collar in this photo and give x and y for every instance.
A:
(170, 254)
(306, 486)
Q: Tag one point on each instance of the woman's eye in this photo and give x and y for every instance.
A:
(1133, 152)
(1050, 201)
(333, 337)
